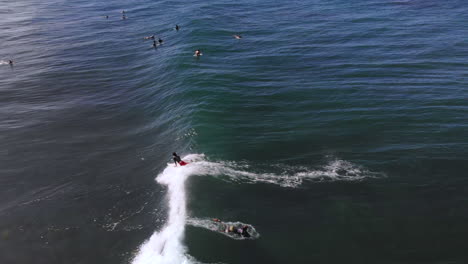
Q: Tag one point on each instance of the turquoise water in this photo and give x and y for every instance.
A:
(337, 129)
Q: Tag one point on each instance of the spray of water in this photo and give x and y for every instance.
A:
(166, 246)
(292, 177)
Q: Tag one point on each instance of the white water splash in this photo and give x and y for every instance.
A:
(336, 170)
(218, 227)
(165, 246)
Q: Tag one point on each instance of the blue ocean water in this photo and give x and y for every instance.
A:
(337, 130)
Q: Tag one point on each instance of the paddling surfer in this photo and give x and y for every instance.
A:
(240, 230)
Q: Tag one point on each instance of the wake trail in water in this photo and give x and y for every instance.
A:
(287, 176)
(166, 246)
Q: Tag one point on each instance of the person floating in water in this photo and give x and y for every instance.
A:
(245, 232)
(160, 40)
(242, 231)
(177, 27)
(124, 17)
(178, 160)
(107, 17)
(123, 11)
(155, 44)
(10, 62)
(198, 53)
(237, 36)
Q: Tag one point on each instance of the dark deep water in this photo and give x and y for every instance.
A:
(338, 129)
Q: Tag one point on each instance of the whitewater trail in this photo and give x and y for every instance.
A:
(166, 246)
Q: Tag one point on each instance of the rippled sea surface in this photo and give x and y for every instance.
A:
(336, 129)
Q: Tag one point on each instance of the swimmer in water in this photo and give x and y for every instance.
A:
(245, 232)
(242, 231)
(154, 43)
(124, 17)
(107, 17)
(123, 11)
(10, 62)
(198, 53)
(177, 27)
(237, 36)
(239, 230)
(149, 37)
(160, 41)
(229, 229)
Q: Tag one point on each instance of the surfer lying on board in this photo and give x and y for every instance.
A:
(178, 160)
(242, 231)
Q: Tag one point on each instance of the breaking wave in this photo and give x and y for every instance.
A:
(166, 246)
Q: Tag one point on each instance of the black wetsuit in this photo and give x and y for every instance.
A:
(244, 232)
(177, 159)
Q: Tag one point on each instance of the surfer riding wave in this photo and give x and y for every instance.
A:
(178, 160)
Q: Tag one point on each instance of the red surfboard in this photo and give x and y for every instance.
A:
(182, 163)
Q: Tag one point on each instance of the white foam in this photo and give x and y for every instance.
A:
(165, 246)
(211, 225)
(335, 170)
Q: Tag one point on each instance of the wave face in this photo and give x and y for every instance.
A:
(339, 123)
